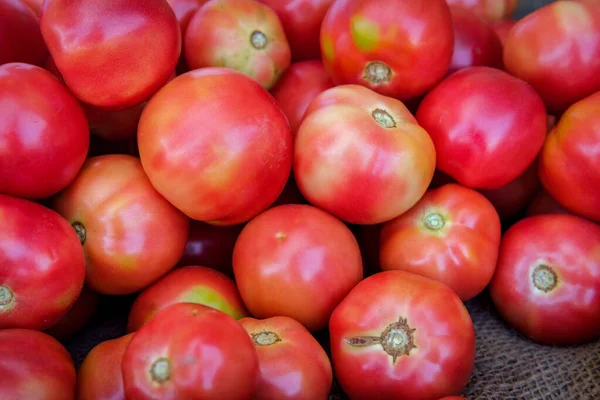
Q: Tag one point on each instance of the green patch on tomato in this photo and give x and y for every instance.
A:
(209, 297)
(365, 33)
(328, 51)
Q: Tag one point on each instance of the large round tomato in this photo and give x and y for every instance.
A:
(216, 145)
(398, 335)
(296, 261)
(130, 234)
(481, 146)
(20, 36)
(451, 235)
(44, 136)
(398, 48)
(570, 159)
(190, 351)
(547, 282)
(42, 267)
(293, 365)
(362, 156)
(490, 10)
(557, 50)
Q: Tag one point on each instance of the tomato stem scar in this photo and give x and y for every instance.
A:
(161, 370)
(434, 221)
(383, 118)
(6, 297)
(544, 278)
(80, 230)
(258, 40)
(377, 73)
(265, 338)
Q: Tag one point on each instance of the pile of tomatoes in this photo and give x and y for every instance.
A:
(258, 173)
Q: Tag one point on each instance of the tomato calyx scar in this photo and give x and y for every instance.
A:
(383, 118)
(160, 371)
(434, 221)
(544, 278)
(7, 297)
(265, 338)
(80, 230)
(258, 40)
(377, 73)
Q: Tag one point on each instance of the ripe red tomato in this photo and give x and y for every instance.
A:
(296, 261)
(301, 20)
(398, 48)
(570, 159)
(80, 313)
(216, 145)
(43, 133)
(543, 203)
(557, 50)
(361, 156)
(130, 47)
(398, 335)
(490, 10)
(547, 282)
(191, 361)
(480, 146)
(20, 36)
(99, 376)
(246, 36)
(451, 235)
(34, 365)
(293, 365)
(42, 265)
(114, 208)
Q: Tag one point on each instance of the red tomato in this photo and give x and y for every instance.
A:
(480, 146)
(43, 133)
(114, 208)
(296, 261)
(398, 48)
(298, 87)
(216, 145)
(547, 282)
(491, 10)
(557, 50)
(301, 20)
(451, 235)
(243, 35)
(293, 365)
(398, 335)
(570, 159)
(34, 365)
(99, 376)
(20, 36)
(42, 267)
(502, 28)
(362, 156)
(80, 313)
(543, 203)
(190, 362)
(112, 54)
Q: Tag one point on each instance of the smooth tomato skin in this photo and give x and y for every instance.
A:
(42, 266)
(216, 145)
(209, 356)
(570, 159)
(544, 203)
(87, 39)
(490, 10)
(20, 36)
(127, 247)
(556, 49)
(80, 313)
(451, 235)
(484, 147)
(43, 130)
(293, 365)
(34, 365)
(99, 376)
(222, 34)
(301, 22)
(296, 261)
(358, 169)
(298, 87)
(411, 41)
(444, 337)
(568, 313)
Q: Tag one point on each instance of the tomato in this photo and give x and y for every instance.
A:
(543, 203)
(293, 365)
(475, 42)
(502, 28)
(99, 376)
(20, 36)
(43, 133)
(490, 10)
(130, 47)
(547, 282)
(42, 267)
(557, 50)
(451, 235)
(80, 313)
(246, 36)
(296, 261)
(216, 145)
(192, 361)
(298, 87)
(480, 146)
(398, 335)
(570, 159)
(34, 365)
(362, 156)
(301, 20)
(113, 208)
(398, 48)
